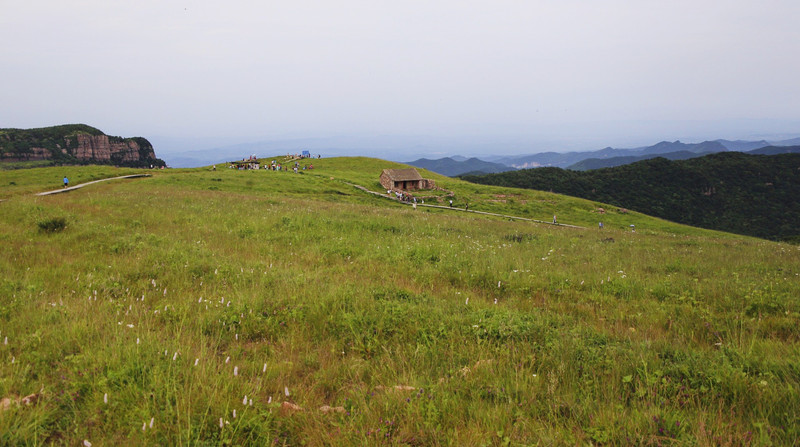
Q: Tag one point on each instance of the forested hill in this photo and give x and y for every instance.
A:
(75, 144)
(754, 195)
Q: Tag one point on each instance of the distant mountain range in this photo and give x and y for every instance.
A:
(452, 167)
(753, 193)
(588, 160)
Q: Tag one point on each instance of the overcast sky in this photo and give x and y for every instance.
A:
(571, 72)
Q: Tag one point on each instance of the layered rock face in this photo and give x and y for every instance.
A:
(100, 148)
(36, 153)
(72, 143)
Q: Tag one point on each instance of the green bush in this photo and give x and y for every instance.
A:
(52, 225)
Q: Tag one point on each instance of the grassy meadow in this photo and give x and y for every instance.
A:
(200, 307)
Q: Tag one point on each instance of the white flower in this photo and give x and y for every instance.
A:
(130, 325)
(270, 400)
(244, 401)
(228, 359)
(221, 423)
(196, 361)
(144, 426)
(175, 356)
(87, 443)
(137, 340)
(263, 370)
(235, 371)
(105, 398)
(286, 391)
(151, 422)
(234, 413)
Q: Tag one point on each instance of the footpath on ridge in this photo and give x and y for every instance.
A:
(485, 213)
(72, 188)
(467, 211)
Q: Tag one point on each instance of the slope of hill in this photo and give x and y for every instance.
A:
(75, 143)
(452, 167)
(741, 193)
(599, 163)
(742, 145)
(233, 307)
(774, 150)
(563, 160)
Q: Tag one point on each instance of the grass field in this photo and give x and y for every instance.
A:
(200, 307)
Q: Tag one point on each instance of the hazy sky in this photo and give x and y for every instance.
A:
(579, 72)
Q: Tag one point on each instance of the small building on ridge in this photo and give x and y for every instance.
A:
(405, 180)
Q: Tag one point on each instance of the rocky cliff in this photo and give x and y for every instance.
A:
(75, 143)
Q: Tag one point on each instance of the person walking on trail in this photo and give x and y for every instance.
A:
(415, 203)
(554, 219)
(600, 225)
(66, 181)
(451, 203)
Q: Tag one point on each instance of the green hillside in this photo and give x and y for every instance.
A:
(754, 195)
(200, 307)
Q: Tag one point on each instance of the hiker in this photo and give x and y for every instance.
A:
(466, 207)
(600, 225)
(451, 203)
(554, 219)
(66, 181)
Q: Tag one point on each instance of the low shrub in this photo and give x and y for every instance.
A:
(52, 225)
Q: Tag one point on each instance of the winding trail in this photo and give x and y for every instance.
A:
(72, 188)
(506, 216)
(485, 213)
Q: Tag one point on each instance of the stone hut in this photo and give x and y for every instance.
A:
(405, 180)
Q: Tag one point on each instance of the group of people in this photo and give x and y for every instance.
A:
(273, 166)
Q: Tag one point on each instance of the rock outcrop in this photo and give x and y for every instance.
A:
(100, 148)
(75, 143)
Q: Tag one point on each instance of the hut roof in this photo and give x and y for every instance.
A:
(400, 175)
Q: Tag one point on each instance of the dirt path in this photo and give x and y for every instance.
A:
(468, 211)
(72, 188)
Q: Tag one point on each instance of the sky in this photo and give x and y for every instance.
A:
(532, 75)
